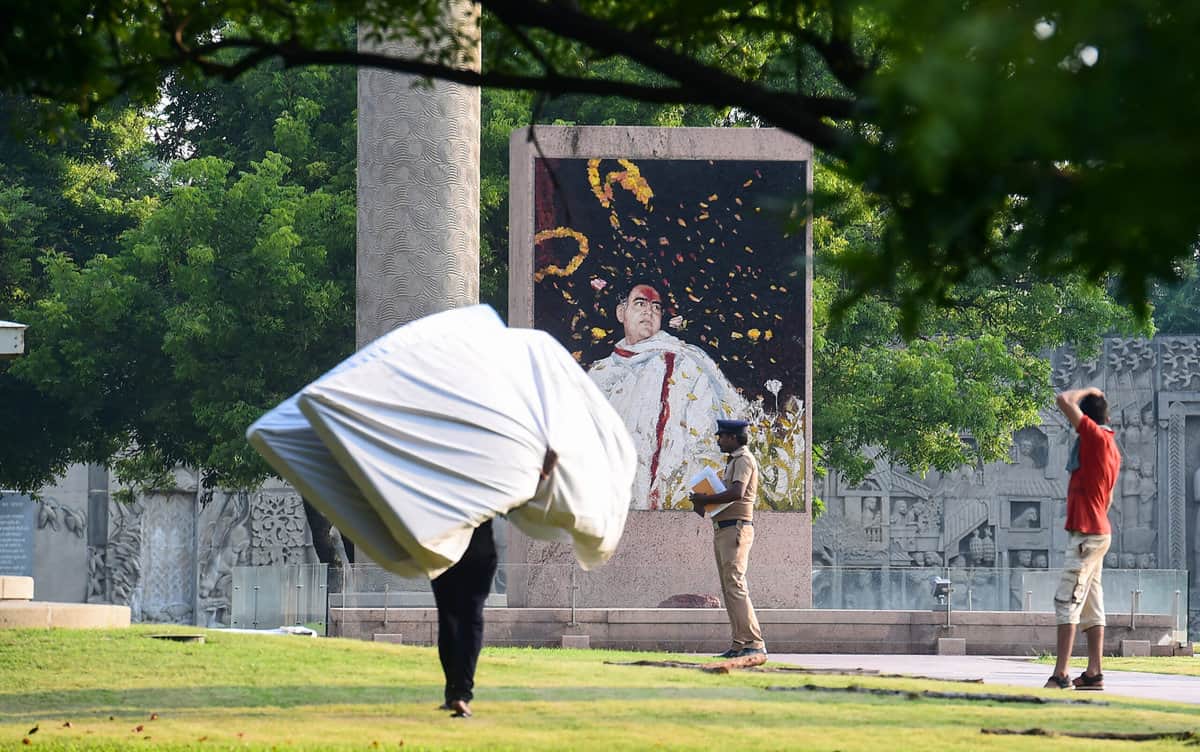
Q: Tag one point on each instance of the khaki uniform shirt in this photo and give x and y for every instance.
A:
(741, 467)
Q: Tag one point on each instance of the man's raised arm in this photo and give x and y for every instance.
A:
(1068, 402)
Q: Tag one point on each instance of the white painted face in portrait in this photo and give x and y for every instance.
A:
(641, 314)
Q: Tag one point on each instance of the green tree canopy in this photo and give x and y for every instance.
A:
(1000, 135)
(189, 284)
(235, 290)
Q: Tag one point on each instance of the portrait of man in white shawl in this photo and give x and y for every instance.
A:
(680, 285)
(667, 391)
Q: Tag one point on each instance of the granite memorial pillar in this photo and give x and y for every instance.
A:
(418, 192)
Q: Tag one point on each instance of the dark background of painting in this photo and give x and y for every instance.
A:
(726, 267)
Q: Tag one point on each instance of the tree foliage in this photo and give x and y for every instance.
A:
(975, 372)
(172, 300)
(230, 294)
(998, 134)
(967, 213)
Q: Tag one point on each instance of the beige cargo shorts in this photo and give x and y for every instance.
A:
(1079, 598)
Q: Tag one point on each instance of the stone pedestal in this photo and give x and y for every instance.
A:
(663, 554)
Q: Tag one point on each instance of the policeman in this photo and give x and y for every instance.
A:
(733, 536)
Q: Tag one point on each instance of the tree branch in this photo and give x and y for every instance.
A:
(788, 111)
(293, 54)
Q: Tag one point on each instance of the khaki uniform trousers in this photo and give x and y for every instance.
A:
(732, 548)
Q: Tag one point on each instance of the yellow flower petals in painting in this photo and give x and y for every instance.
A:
(693, 298)
(599, 333)
(712, 197)
(754, 334)
(630, 179)
(703, 216)
(748, 183)
(681, 222)
(735, 335)
(612, 220)
(692, 396)
(768, 335)
(593, 173)
(552, 270)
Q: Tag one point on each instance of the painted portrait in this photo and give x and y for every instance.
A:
(681, 285)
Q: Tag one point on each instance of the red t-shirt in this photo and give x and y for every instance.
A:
(1089, 491)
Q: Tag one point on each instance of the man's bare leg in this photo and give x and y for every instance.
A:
(1095, 643)
(1066, 641)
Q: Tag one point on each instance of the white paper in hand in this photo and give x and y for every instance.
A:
(708, 482)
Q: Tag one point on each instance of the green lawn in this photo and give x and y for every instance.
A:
(1182, 665)
(123, 690)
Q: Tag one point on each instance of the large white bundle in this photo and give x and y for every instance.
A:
(413, 442)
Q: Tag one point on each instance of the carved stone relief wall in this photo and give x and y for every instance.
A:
(237, 528)
(166, 589)
(169, 554)
(224, 543)
(1012, 514)
(61, 528)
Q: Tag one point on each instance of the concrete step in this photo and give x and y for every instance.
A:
(49, 615)
(14, 588)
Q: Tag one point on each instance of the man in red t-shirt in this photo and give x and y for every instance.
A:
(1079, 599)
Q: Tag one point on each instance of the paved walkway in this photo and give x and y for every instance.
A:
(1015, 671)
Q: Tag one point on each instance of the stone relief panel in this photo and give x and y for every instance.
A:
(1017, 509)
(60, 549)
(279, 530)
(1180, 364)
(123, 563)
(167, 554)
(167, 586)
(224, 543)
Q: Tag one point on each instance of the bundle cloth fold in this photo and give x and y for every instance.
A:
(414, 441)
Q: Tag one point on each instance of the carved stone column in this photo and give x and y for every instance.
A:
(418, 193)
(1176, 487)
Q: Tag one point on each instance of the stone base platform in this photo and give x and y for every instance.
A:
(785, 630)
(20, 614)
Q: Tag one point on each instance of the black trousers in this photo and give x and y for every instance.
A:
(460, 592)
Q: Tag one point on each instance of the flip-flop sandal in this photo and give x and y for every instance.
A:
(1094, 683)
(1058, 682)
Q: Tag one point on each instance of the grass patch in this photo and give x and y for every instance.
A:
(121, 690)
(1181, 665)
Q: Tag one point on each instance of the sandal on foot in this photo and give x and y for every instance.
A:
(1083, 681)
(1057, 682)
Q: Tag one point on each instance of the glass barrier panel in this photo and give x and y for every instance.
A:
(1144, 591)
(280, 596)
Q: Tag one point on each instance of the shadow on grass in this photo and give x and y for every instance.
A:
(104, 702)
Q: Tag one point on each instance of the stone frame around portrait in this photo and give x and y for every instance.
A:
(639, 142)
